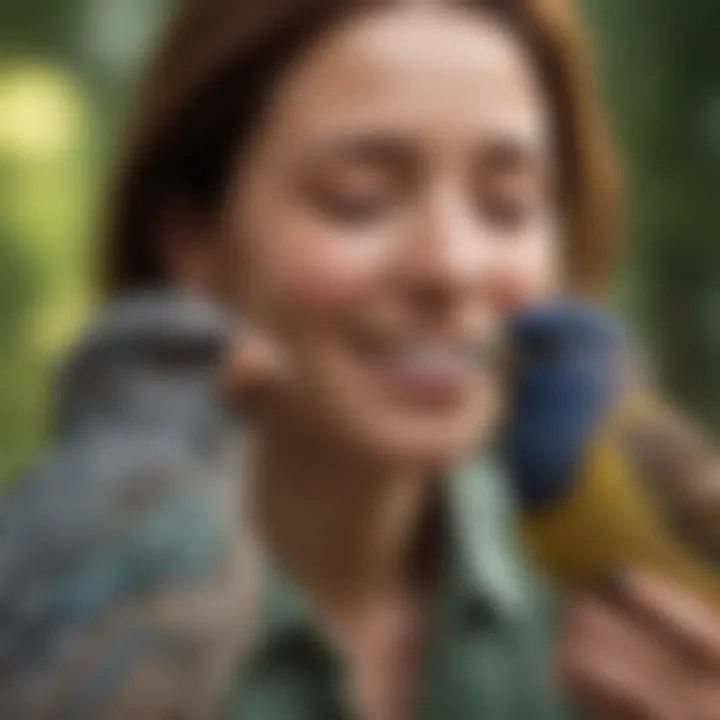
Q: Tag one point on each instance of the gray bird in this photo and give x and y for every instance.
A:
(125, 558)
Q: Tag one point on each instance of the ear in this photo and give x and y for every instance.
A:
(191, 247)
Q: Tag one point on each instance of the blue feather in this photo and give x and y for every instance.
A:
(566, 375)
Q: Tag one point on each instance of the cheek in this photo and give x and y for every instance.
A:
(528, 271)
(302, 274)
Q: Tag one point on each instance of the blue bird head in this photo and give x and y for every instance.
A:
(569, 361)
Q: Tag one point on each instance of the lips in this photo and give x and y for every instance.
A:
(424, 373)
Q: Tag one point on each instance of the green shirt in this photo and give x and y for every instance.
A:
(488, 652)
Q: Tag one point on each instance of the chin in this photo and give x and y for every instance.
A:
(430, 446)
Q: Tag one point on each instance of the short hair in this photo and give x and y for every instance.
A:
(220, 59)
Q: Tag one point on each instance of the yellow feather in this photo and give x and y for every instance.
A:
(609, 520)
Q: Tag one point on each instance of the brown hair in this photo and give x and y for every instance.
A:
(215, 68)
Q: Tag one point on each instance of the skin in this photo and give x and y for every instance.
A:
(398, 193)
(383, 201)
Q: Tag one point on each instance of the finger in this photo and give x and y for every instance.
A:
(704, 701)
(614, 668)
(680, 619)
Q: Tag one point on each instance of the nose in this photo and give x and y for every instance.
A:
(445, 259)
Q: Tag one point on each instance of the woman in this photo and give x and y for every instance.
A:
(373, 187)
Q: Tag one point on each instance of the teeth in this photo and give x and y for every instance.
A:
(436, 358)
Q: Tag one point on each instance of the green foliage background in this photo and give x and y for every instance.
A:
(68, 66)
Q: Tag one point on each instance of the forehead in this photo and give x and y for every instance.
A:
(433, 72)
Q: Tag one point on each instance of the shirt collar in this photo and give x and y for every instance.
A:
(288, 615)
(483, 568)
(485, 563)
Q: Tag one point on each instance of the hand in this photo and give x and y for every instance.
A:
(649, 651)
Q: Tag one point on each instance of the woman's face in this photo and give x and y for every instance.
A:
(395, 203)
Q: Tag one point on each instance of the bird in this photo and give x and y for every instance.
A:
(607, 474)
(126, 560)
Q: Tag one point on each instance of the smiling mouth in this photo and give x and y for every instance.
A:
(426, 372)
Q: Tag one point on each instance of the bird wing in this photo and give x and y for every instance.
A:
(124, 559)
(679, 465)
(124, 587)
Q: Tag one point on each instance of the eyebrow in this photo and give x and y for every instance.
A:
(509, 152)
(500, 153)
(376, 148)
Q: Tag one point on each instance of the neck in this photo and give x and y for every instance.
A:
(342, 526)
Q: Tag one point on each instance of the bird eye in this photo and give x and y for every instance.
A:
(172, 357)
(542, 348)
(169, 357)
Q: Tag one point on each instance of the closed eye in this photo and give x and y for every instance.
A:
(513, 182)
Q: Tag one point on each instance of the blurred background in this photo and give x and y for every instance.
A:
(67, 70)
